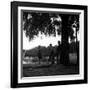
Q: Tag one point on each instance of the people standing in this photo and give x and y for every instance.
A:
(51, 54)
(39, 54)
(58, 51)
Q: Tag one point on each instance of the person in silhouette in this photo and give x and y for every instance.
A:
(51, 54)
(39, 54)
(58, 52)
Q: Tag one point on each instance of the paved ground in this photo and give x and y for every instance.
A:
(48, 70)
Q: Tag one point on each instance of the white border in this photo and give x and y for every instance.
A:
(52, 78)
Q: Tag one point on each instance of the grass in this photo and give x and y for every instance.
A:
(49, 70)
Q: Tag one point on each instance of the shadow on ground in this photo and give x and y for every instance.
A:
(49, 70)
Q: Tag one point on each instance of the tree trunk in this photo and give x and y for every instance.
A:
(65, 44)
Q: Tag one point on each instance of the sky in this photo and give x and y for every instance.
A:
(41, 40)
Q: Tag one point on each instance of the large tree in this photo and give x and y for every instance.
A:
(69, 22)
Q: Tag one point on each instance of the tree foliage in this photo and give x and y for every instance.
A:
(48, 23)
(40, 22)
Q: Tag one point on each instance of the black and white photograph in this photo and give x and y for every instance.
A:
(50, 44)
